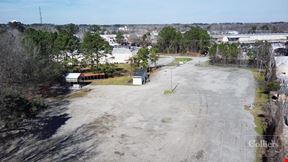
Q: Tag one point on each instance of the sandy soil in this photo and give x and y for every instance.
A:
(203, 120)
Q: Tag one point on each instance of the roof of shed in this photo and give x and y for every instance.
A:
(73, 75)
(139, 72)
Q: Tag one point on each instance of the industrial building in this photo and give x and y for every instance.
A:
(251, 38)
(120, 55)
(110, 38)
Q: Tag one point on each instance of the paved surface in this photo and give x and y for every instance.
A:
(163, 60)
(204, 120)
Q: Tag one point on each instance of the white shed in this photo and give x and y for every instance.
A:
(137, 80)
(73, 77)
(140, 77)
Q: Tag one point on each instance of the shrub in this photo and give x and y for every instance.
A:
(272, 86)
(14, 108)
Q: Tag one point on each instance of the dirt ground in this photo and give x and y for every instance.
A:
(203, 120)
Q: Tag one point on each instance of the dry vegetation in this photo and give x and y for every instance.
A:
(123, 80)
(261, 99)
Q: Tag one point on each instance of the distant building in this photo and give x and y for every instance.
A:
(13, 21)
(124, 28)
(154, 37)
(110, 38)
(120, 55)
(251, 38)
(233, 32)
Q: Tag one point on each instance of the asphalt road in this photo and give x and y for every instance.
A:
(163, 60)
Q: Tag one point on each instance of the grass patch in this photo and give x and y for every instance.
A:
(261, 99)
(124, 68)
(124, 80)
(168, 92)
(183, 59)
(180, 59)
(79, 93)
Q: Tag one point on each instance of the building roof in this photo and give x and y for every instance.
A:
(73, 75)
(124, 50)
(140, 72)
(121, 50)
(252, 38)
(249, 35)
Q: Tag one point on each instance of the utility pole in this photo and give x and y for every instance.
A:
(171, 80)
(40, 14)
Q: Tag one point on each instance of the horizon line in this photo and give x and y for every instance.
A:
(203, 23)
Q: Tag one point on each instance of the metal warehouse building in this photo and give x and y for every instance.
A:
(251, 38)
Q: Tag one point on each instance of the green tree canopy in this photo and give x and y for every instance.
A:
(120, 38)
(224, 52)
(146, 40)
(66, 42)
(96, 29)
(94, 48)
(70, 29)
(154, 56)
(196, 39)
(169, 40)
(40, 63)
(172, 41)
(142, 57)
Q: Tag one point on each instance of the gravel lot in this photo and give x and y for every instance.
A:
(203, 120)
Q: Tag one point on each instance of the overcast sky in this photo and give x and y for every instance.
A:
(143, 11)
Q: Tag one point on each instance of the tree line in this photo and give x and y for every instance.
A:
(173, 41)
(68, 50)
(144, 58)
(258, 56)
(34, 60)
(26, 68)
(225, 53)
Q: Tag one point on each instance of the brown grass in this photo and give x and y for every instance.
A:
(123, 80)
